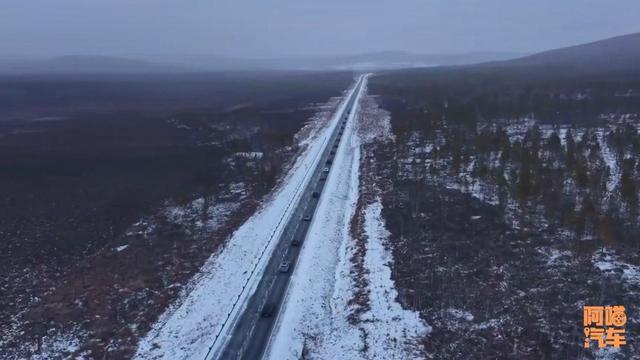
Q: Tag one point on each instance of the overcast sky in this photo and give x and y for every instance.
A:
(273, 28)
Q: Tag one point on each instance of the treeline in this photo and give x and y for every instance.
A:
(471, 95)
(567, 175)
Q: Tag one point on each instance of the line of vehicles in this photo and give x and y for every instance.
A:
(269, 309)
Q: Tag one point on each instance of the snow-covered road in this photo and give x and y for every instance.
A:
(216, 295)
(315, 318)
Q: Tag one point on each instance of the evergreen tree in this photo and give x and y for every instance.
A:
(571, 149)
(554, 144)
(524, 178)
(628, 188)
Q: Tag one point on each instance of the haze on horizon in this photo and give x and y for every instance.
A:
(264, 29)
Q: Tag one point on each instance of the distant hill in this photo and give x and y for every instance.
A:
(620, 52)
(89, 64)
(85, 64)
(366, 61)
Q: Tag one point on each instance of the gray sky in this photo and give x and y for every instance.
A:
(272, 28)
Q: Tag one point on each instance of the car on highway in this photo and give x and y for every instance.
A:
(332, 152)
(268, 309)
(307, 218)
(284, 267)
(323, 177)
(315, 194)
(295, 242)
(325, 170)
(329, 162)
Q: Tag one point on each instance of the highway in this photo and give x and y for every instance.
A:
(251, 332)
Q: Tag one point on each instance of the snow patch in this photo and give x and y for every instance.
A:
(610, 264)
(374, 123)
(554, 256)
(56, 346)
(205, 215)
(461, 314)
(391, 328)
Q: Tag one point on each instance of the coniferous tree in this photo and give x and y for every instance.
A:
(554, 144)
(628, 188)
(571, 149)
(524, 177)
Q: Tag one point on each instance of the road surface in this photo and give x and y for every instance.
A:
(252, 330)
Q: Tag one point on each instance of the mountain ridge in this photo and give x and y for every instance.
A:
(618, 52)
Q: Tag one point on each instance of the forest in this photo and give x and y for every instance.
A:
(511, 193)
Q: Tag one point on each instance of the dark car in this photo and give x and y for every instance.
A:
(333, 152)
(315, 194)
(268, 310)
(284, 267)
(329, 162)
(295, 242)
(307, 218)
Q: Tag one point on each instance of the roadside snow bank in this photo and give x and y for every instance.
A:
(392, 329)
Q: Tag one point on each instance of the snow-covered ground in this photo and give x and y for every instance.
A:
(609, 263)
(214, 297)
(59, 346)
(315, 317)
